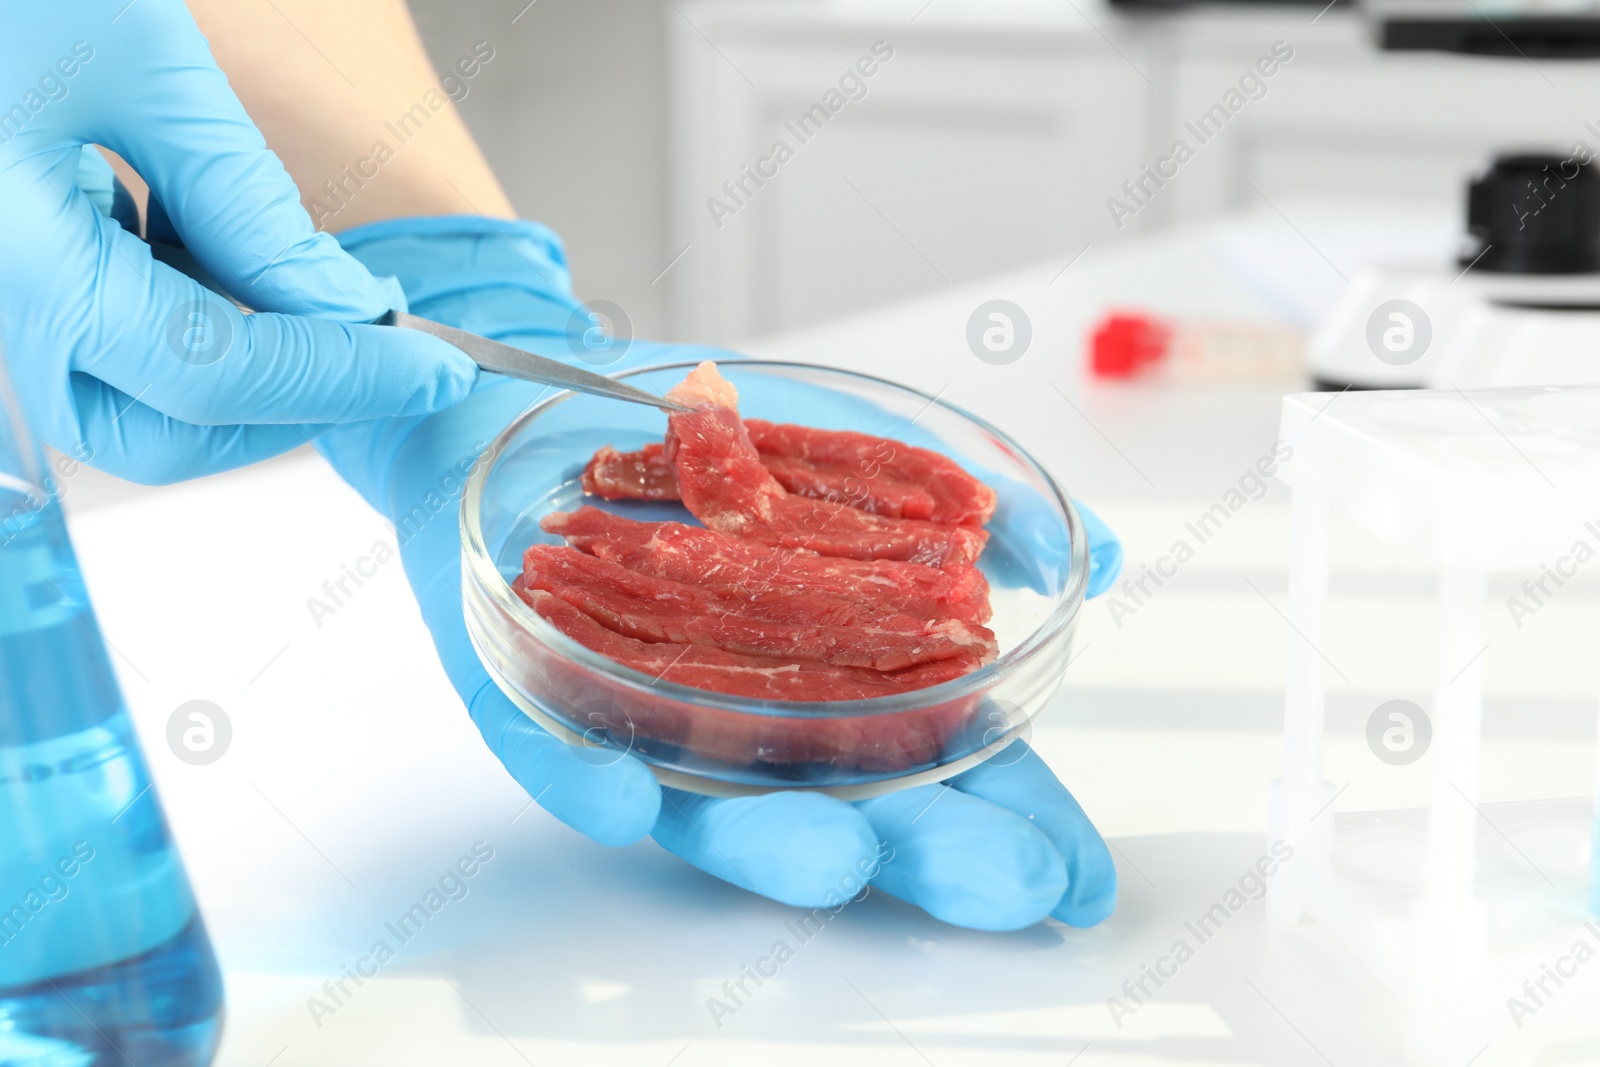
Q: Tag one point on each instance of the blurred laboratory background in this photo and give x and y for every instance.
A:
(993, 138)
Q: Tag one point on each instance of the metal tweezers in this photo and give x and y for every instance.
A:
(504, 359)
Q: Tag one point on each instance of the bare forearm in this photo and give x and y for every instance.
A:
(346, 96)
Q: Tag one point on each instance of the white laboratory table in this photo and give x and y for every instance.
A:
(354, 779)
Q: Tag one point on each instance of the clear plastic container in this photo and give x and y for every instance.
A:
(1036, 562)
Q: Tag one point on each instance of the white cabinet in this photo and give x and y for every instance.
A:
(1342, 118)
(991, 140)
(970, 151)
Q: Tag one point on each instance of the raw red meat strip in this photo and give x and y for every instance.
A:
(724, 484)
(660, 610)
(645, 718)
(873, 474)
(880, 495)
(736, 673)
(642, 475)
(751, 570)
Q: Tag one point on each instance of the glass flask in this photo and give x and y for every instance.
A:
(103, 956)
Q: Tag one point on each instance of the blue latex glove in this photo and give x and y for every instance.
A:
(125, 359)
(999, 847)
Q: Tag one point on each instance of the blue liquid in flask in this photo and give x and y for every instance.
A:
(103, 957)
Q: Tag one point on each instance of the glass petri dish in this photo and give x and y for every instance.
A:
(1036, 562)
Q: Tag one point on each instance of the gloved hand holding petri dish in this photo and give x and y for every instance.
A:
(998, 846)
